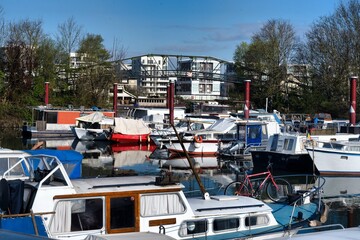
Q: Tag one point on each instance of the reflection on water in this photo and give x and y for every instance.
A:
(105, 159)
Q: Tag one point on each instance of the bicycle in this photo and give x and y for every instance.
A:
(277, 189)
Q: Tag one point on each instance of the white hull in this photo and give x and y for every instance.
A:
(194, 148)
(90, 134)
(335, 162)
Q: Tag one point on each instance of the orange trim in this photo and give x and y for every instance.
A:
(198, 139)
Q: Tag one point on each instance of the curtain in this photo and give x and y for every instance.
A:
(61, 221)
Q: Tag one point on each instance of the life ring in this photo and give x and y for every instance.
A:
(198, 139)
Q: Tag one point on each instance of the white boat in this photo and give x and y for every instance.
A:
(58, 207)
(228, 136)
(95, 126)
(336, 157)
(325, 232)
(287, 152)
(189, 123)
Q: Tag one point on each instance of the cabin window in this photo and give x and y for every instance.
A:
(256, 220)
(193, 227)
(122, 212)
(7, 163)
(274, 142)
(78, 215)
(225, 224)
(161, 204)
(51, 117)
(288, 144)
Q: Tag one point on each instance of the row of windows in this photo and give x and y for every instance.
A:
(222, 224)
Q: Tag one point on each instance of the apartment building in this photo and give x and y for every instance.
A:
(152, 74)
(200, 79)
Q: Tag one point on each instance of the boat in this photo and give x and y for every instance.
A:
(94, 126)
(189, 123)
(206, 141)
(287, 152)
(50, 122)
(336, 158)
(223, 136)
(128, 130)
(59, 207)
(329, 232)
(250, 135)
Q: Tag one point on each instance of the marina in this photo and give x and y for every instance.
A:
(102, 160)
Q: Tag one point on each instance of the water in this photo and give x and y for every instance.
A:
(342, 194)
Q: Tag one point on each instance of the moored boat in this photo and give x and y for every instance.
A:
(288, 152)
(130, 131)
(336, 158)
(77, 208)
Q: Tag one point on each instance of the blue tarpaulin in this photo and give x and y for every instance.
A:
(71, 159)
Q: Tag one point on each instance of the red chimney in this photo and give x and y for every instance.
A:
(247, 99)
(46, 93)
(115, 98)
(353, 100)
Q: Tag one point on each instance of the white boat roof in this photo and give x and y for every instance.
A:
(347, 233)
(218, 205)
(119, 184)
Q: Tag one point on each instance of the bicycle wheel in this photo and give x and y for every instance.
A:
(280, 192)
(237, 188)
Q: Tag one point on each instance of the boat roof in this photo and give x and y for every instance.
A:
(221, 204)
(130, 236)
(121, 184)
(347, 233)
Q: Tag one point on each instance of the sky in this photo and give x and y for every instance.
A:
(181, 27)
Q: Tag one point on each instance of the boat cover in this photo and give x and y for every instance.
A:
(131, 126)
(72, 160)
(93, 117)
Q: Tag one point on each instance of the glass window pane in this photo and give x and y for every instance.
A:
(122, 212)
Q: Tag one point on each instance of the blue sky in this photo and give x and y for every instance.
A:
(184, 27)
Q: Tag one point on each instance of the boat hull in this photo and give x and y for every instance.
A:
(331, 162)
(90, 134)
(127, 138)
(283, 163)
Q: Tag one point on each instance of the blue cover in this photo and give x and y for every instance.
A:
(22, 225)
(72, 160)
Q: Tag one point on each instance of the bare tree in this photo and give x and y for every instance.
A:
(69, 35)
(265, 61)
(21, 58)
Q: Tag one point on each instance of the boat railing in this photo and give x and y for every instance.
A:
(335, 226)
(305, 196)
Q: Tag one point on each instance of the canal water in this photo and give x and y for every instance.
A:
(341, 194)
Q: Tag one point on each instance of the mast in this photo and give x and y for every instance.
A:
(206, 195)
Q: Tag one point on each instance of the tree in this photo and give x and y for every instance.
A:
(265, 61)
(333, 51)
(96, 76)
(21, 59)
(67, 39)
